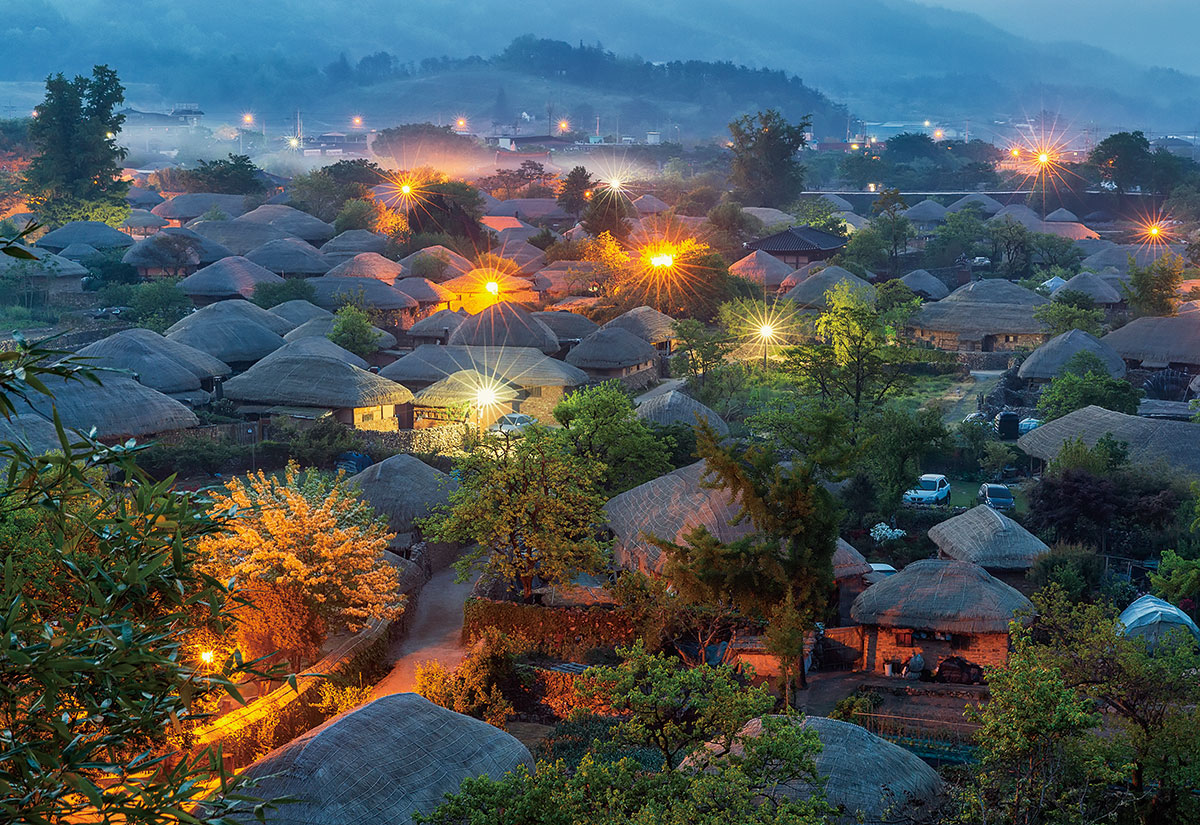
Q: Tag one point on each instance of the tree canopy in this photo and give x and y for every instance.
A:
(766, 167)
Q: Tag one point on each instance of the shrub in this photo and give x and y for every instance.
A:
(861, 701)
(293, 289)
(483, 685)
(562, 633)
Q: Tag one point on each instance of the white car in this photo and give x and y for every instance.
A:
(931, 489)
(981, 261)
(512, 423)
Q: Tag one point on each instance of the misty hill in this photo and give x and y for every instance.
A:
(884, 59)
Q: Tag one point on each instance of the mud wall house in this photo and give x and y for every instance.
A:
(93, 233)
(119, 408)
(810, 292)
(465, 397)
(505, 324)
(983, 316)
(1049, 361)
(654, 327)
(569, 327)
(172, 368)
(390, 309)
(615, 353)
(436, 328)
(43, 278)
(404, 490)
(991, 540)
(1155, 343)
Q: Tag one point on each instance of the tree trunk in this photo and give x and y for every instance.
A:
(527, 589)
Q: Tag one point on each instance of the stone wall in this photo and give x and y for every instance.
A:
(428, 440)
(880, 646)
(985, 360)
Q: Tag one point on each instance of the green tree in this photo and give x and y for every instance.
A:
(531, 508)
(901, 440)
(702, 348)
(1069, 392)
(732, 226)
(357, 213)
(608, 211)
(575, 191)
(961, 234)
(1122, 160)
(858, 170)
(766, 170)
(268, 295)
(236, 176)
(1177, 578)
(895, 229)
(1012, 245)
(865, 252)
(352, 331)
(1056, 251)
(1060, 315)
(818, 213)
(600, 426)
(1154, 289)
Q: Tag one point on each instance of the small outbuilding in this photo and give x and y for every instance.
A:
(232, 277)
(991, 540)
(614, 352)
(404, 490)
(1153, 619)
(654, 327)
(675, 407)
(1048, 361)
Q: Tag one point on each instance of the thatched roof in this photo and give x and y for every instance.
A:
(1019, 212)
(194, 204)
(1062, 214)
(989, 307)
(650, 205)
(675, 407)
(989, 205)
(769, 215)
(160, 363)
(761, 268)
(381, 763)
(143, 219)
(527, 257)
(225, 331)
(140, 196)
(1050, 359)
(927, 211)
(924, 283)
(424, 291)
(299, 311)
(646, 323)
(523, 366)
(92, 233)
(1151, 440)
(476, 282)
(403, 489)
(79, 252)
(1158, 341)
(229, 276)
(455, 264)
(848, 563)
(291, 221)
(33, 431)
(353, 242)
(1093, 286)
(811, 291)
(368, 265)
(990, 539)
(438, 325)
(239, 238)
(322, 326)
(119, 408)
(867, 778)
(568, 326)
(258, 315)
(800, 274)
(463, 387)
(505, 325)
(997, 291)
(290, 256)
(532, 208)
(938, 595)
(174, 247)
(318, 346)
(333, 292)
(314, 381)
(837, 201)
(45, 264)
(611, 348)
(1117, 257)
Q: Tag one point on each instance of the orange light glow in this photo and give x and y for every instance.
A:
(357, 121)
(206, 657)
(563, 126)
(492, 287)
(1154, 230)
(406, 189)
(663, 260)
(1016, 152)
(248, 119)
(485, 397)
(938, 134)
(854, 147)
(1043, 158)
(462, 123)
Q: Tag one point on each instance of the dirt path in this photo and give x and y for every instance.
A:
(435, 633)
(960, 399)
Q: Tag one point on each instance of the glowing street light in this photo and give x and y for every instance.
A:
(616, 184)
(1043, 158)
(663, 260)
(1154, 231)
(294, 142)
(766, 332)
(1016, 152)
(938, 134)
(406, 189)
(248, 119)
(206, 656)
(357, 120)
(461, 123)
(492, 287)
(485, 397)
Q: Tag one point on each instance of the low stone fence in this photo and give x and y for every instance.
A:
(429, 440)
(558, 632)
(985, 360)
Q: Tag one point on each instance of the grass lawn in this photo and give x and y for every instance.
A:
(963, 493)
(957, 396)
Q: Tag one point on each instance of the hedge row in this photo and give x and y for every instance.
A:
(560, 633)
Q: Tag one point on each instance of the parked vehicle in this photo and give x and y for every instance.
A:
(931, 489)
(1028, 424)
(1008, 426)
(996, 496)
(512, 423)
(981, 261)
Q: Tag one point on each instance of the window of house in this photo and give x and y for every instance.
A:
(960, 642)
(904, 638)
(533, 392)
(368, 416)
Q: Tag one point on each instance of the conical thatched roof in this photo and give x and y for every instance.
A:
(867, 778)
(438, 325)
(675, 407)
(990, 539)
(321, 328)
(463, 387)
(290, 256)
(225, 331)
(646, 323)
(650, 205)
(119, 408)
(174, 248)
(611, 348)
(477, 280)
(299, 311)
(799, 275)
(1018, 212)
(848, 563)
(505, 325)
(769, 215)
(761, 268)
(1117, 257)
(1151, 440)
(141, 197)
(259, 316)
(33, 431)
(315, 346)
(454, 264)
(980, 308)
(1050, 359)
(194, 204)
(143, 219)
(367, 265)
(80, 252)
(989, 205)
(997, 291)
(290, 220)
(424, 291)
(937, 595)
(381, 763)
(45, 264)
(527, 257)
(568, 326)
(927, 211)
(811, 291)
(92, 233)
(159, 363)
(314, 381)
(1158, 342)
(1093, 286)
(229, 276)
(924, 283)
(1062, 214)
(333, 292)
(837, 201)
(353, 242)
(522, 366)
(403, 489)
(239, 238)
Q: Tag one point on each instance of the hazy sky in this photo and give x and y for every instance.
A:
(1150, 32)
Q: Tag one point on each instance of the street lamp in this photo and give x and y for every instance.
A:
(484, 397)
(766, 332)
(493, 288)
(357, 121)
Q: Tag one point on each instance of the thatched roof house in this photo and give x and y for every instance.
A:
(368, 265)
(424, 291)
(1175, 444)
(164, 253)
(225, 331)
(57, 273)
(1117, 257)
(1050, 359)
(231, 277)
(1159, 342)
(612, 352)
(316, 346)
(437, 263)
(403, 489)
(1062, 215)
(988, 205)
(353, 242)
(675, 407)
(761, 268)
(156, 362)
(568, 326)
(239, 238)
(811, 291)
(93, 233)
(926, 213)
(258, 315)
(990, 539)
(299, 311)
(437, 327)
(925, 284)
(292, 221)
(505, 325)
(1093, 286)
(770, 216)
(650, 205)
(79, 252)
(142, 198)
(143, 221)
(647, 323)
(848, 563)
(333, 292)
(989, 315)
(456, 398)
(381, 763)
(290, 256)
(528, 258)
(183, 208)
(523, 366)
(118, 408)
(484, 286)
(33, 431)
(836, 201)
(322, 326)
(562, 278)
